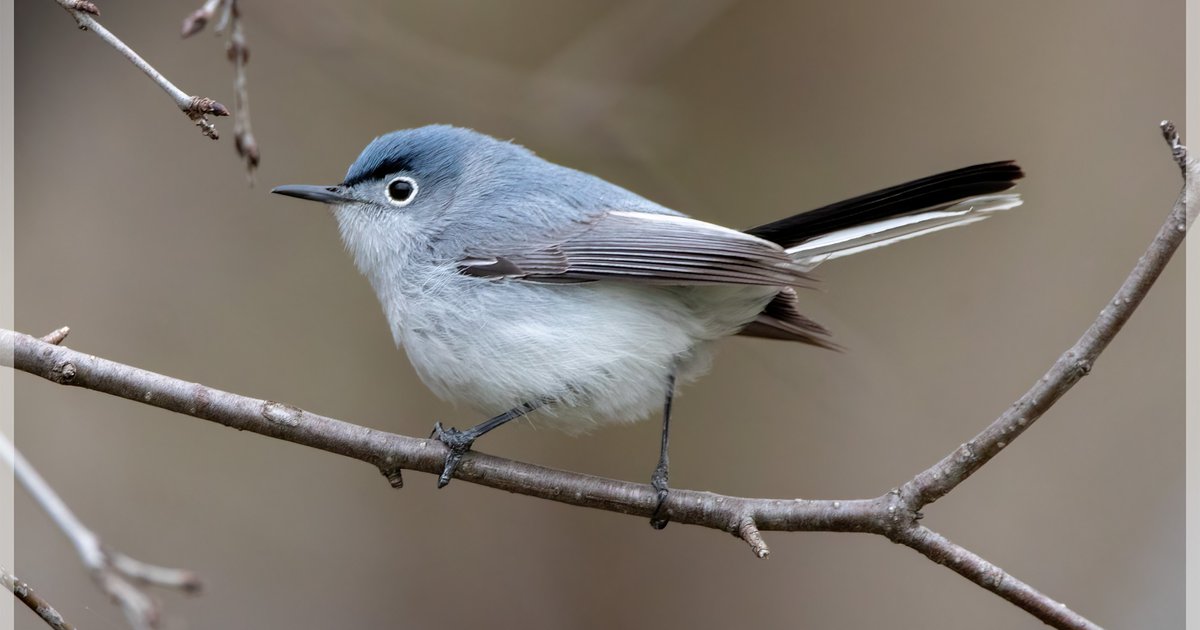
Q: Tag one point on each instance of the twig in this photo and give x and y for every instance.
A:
(895, 515)
(991, 577)
(114, 572)
(747, 530)
(196, 21)
(1076, 362)
(239, 55)
(197, 108)
(58, 336)
(35, 602)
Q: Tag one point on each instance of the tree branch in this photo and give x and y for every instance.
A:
(228, 15)
(1077, 361)
(938, 548)
(39, 606)
(197, 108)
(895, 514)
(117, 574)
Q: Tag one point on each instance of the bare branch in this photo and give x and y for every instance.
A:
(390, 452)
(991, 577)
(197, 108)
(239, 54)
(230, 17)
(114, 572)
(39, 606)
(895, 514)
(1077, 361)
(887, 515)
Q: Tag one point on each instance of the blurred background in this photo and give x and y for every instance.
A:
(145, 238)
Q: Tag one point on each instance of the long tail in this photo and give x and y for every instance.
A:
(897, 213)
(887, 216)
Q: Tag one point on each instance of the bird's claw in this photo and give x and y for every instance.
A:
(459, 442)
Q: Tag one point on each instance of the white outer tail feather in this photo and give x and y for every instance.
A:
(895, 229)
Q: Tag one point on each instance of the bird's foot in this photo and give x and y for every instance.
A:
(658, 480)
(459, 442)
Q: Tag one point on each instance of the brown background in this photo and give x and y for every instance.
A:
(144, 237)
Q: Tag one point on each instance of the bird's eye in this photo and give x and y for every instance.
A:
(402, 190)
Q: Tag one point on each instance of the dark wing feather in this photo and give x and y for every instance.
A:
(646, 248)
(783, 320)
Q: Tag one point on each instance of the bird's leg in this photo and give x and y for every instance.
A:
(459, 442)
(659, 519)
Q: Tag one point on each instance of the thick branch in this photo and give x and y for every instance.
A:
(887, 515)
(894, 514)
(197, 108)
(391, 452)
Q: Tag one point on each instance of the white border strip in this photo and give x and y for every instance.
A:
(7, 290)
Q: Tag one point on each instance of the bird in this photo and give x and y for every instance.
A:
(523, 288)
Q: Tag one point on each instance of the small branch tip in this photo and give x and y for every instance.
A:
(201, 105)
(146, 573)
(194, 23)
(747, 530)
(394, 476)
(57, 336)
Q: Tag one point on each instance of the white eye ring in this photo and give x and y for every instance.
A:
(400, 195)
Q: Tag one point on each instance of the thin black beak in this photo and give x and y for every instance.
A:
(324, 194)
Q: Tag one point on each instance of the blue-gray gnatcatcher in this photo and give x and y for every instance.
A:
(517, 285)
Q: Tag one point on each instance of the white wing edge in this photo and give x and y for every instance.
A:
(694, 224)
(882, 233)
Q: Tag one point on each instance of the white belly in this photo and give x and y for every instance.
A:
(603, 352)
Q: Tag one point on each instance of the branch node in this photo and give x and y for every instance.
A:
(202, 105)
(1083, 367)
(83, 6)
(747, 530)
(57, 336)
(394, 476)
(1178, 150)
(198, 109)
(63, 373)
(282, 414)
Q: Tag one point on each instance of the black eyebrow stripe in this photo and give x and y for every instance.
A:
(386, 167)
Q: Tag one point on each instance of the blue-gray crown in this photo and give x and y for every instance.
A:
(430, 150)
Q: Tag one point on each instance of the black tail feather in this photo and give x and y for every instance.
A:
(910, 197)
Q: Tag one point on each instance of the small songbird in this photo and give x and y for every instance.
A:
(519, 286)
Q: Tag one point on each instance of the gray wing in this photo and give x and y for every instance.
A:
(643, 247)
